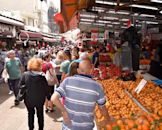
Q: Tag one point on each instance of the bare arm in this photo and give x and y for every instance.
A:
(55, 99)
(106, 115)
(63, 76)
(105, 112)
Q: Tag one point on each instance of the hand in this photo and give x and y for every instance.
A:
(66, 118)
(105, 122)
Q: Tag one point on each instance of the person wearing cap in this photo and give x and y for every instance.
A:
(14, 68)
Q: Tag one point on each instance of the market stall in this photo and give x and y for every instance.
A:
(130, 109)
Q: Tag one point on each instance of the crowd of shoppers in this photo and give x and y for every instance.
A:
(72, 69)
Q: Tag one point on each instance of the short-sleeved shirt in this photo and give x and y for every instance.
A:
(65, 66)
(13, 68)
(81, 95)
(95, 55)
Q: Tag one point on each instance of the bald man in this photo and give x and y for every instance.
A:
(81, 94)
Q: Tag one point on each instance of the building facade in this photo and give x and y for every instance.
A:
(37, 15)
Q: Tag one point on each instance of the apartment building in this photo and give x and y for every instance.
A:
(37, 15)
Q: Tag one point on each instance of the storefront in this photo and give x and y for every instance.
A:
(8, 31)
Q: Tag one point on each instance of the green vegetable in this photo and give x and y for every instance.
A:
(116, 128)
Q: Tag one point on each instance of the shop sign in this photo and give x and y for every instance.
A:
(6, 28)
(94, 35)
(101, 36)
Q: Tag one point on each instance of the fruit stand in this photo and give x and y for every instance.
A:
(105, 59)
(129, 110)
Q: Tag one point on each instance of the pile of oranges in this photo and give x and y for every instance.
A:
(143, 122)
(149, 97)
(119, 105)
(127, 115)
(145, 62)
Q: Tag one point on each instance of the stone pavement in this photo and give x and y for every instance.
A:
(15, 118)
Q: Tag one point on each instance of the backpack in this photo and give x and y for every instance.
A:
(50, 76)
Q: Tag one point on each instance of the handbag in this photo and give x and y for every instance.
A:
(21, 93)
(22, 90)
(51, 76)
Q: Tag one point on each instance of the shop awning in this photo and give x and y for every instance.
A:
(10, 21)
(47, 39)
(6, 34)
(30, 35)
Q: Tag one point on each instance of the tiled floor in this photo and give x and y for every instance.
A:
(15, 118)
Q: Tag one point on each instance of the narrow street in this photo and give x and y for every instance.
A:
(15, 118)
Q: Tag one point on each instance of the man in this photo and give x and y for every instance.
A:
(13, 66)
(81, 94)
(95, 57)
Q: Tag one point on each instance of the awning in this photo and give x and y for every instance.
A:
(11, 21)
(47, 39)
(6, 34)
(30, 35)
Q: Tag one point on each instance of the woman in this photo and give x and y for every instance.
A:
(36, 91)
(57, 63)
(73, 69)
(47, 66)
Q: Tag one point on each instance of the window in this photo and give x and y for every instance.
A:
(30, 22)
(24, 20)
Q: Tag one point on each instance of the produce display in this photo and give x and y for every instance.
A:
(119, 104)
(145, 62)
(149, 97)
(127, 115)
(104, 58)
(103, 72)
(136, 122)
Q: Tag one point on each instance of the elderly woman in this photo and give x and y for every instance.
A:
(36, 91)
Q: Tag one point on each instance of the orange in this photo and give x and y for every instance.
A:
(160, 112)
(145, 127)
(108, 127)
(120, 122)
(150, 118)
(139, 127)
(130, 123)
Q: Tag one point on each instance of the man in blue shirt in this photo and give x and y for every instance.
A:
(95, 58)
(81, 94)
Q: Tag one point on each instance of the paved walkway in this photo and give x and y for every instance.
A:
(15, 118)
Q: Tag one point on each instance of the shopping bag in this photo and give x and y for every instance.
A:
(5, 75)
(51, 77)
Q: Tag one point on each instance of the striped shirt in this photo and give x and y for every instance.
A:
(81, 95)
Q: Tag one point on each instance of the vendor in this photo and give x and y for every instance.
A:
(95, 58)
(156, 62)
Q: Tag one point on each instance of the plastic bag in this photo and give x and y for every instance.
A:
(5, 75)
(51, 77)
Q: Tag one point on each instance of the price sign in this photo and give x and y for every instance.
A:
(140, 86)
